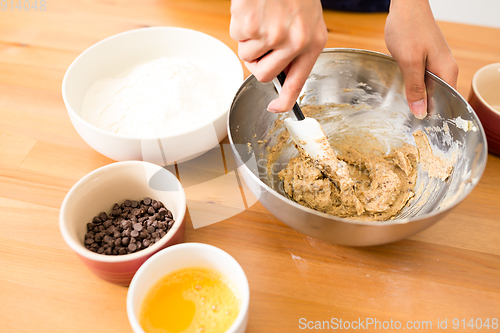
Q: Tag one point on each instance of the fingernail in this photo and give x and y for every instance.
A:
(271, 107)
(419, 109)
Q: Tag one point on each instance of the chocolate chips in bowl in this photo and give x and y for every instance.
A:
(130, 227)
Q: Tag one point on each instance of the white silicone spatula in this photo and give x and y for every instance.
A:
(306, 133)
(312, 142)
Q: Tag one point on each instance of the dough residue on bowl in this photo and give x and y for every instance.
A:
(382, 183)
(435, 166)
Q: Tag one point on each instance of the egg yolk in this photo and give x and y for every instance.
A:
(190, 300)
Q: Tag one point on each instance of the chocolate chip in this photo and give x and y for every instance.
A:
(129, 227)
(132, 247)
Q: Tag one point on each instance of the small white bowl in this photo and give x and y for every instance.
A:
(182, 256)
(123, 51)
(98, 191)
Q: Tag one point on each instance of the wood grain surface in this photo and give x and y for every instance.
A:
(451, 270)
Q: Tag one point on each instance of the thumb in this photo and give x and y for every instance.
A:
(416, 95)
(285, 101)
(290, 91)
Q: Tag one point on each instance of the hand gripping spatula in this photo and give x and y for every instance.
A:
(312, 143)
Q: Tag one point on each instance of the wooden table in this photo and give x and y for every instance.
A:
(451, 270)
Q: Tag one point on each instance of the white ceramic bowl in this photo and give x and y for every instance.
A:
(181, 256)
(123, 51)
(99, 191)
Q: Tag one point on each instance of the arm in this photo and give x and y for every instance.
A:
(276, 35)
(416, 43)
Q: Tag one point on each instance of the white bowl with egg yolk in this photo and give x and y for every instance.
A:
(187, 255)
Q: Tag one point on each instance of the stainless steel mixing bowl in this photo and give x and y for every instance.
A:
(372, 84)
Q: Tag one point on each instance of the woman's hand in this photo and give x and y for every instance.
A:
(416, 43)
(276, 35)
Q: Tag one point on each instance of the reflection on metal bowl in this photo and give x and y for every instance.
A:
(370, 87)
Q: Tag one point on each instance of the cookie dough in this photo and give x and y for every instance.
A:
(371, 186)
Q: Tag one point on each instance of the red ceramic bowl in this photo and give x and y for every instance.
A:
(484, 97)
(99, 191)
(493, 141)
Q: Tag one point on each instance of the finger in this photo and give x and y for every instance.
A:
(252, 50)
(447, 70)
(240, 29)
(297, 75)
(269, 66)
(413, 71)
